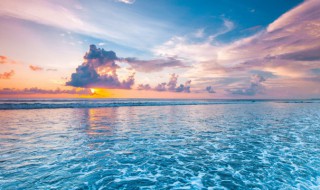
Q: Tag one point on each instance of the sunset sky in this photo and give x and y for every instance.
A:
(160, 49)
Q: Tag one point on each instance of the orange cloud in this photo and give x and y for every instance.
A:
(3, 59)
(35, 68)
(7, 75)
(6, 60)
(35, 90)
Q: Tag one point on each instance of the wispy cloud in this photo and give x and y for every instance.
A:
(7, 75)
(127, 1)
(35, 68)
(199, 33)
(288, 48)
(154, 65)
(36, 90)
(48, 13)
(3, 59)
(6, 60)
(125, 29)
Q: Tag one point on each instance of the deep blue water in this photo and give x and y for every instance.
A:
(225, 145)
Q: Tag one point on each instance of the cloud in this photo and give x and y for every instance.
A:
(254, 88)
(312, 54)
(127, 1)
(154, 65)
(6, 60)
(171, 86)
(99, 69)
(287, 50)
(172, 82)
(184, 88)
(252, 29)
(101, 43)
(35, 68)
(3, 59)
(36, 90)
(161, 87)
(38, 68)
(144, 87)
(66, 16)
(199, 33)
(315, 71)
(210, 90)
(7, 75)
(228, 26)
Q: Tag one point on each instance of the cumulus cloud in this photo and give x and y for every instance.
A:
(161, 87)
(99, 69)
(172, 85)
(255, 87)
(36, 90)
(144, 87)
(210, 90)
(35, 68)
(172, 82)
(184, 88)
(154, 65)
(7, 75)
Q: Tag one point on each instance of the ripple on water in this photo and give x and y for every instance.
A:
(256, 146)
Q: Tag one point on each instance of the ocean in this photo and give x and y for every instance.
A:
(159, 144)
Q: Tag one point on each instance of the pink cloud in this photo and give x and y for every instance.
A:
(35, 68)
(7, 75)
(289, 48)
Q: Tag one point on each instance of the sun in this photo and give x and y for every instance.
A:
(92, 90)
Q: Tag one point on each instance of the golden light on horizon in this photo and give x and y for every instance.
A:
(98, 93)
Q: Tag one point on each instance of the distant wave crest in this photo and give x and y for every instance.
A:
(73, 103)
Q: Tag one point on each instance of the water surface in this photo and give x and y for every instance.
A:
(249, 145)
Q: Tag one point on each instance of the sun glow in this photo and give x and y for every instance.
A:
(98, 93)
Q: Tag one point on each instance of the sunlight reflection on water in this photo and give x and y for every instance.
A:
(263, 146)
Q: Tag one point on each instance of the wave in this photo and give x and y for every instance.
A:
(73, 103)
(99, 104)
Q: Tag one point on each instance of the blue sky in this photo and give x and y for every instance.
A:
(241, 49)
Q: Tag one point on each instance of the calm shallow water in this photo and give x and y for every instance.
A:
(263, 145)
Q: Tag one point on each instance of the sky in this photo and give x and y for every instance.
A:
(208, 49)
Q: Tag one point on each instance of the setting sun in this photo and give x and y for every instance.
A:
(92, 90)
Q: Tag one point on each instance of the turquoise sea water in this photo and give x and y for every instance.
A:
(141, 144)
